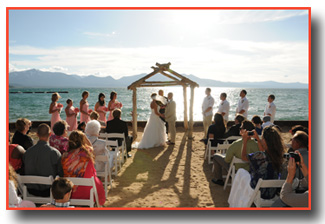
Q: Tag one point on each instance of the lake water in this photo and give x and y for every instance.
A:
(292, 104)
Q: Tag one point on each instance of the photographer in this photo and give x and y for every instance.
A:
(287, 195)
(267, 163)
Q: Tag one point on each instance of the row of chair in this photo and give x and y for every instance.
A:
(119, 155)
(231, 173)
(25, 180)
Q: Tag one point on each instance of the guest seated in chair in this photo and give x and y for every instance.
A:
(99, 145)
(59, 140)
(258, 124)
(288, 196)
(16, 153)
(216, 130)
(234, 130)
(79, 162)
(234, 150)
(267, 163)
(42, 160)
(61, 191)
(21, 137)
(119, 126)
(14, 200)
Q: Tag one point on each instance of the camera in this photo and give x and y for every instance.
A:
(250, 133)
(293, 155)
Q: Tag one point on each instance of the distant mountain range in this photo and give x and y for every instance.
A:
(39, 79)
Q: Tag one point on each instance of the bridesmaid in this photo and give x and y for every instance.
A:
(71, 113)
(55, 109)
(112, 105)
(84, 108)
(100, 107)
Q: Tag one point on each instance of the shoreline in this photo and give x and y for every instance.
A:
(284, 123)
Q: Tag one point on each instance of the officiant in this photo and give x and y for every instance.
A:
(163, 108)
(170, 116)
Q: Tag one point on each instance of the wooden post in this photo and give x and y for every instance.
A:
(190, 133)
(134, 115)
(185, 107)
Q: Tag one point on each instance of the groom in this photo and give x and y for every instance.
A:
(170, 116)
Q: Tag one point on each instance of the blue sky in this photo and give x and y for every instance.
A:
(226, 45)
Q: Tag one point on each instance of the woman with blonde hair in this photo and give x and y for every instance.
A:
(84, 108)
(55, 109)
(14, 200)
(79, 162)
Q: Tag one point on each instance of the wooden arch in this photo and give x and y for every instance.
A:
(176, 79)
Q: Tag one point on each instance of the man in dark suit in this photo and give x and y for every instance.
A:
(118, 126)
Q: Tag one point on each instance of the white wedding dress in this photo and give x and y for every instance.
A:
(154, 133)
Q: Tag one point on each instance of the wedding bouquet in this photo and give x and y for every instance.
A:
(76, 110)
(89, 111)
(60, 106)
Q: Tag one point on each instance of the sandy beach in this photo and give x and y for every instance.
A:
(170, 176)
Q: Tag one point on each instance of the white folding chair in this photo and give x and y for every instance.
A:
(116, 160)
(256, 196)
(231, 138)
(123, 146)
(107, 170)
(220, 148)
(23, 180)
(89, 182)
(108, 136)
(232, 170)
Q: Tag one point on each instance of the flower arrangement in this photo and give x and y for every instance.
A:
(89, 111)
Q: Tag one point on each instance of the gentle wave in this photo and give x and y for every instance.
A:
(292, 104)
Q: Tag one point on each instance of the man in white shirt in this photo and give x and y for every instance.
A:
(224, 107)
(207, 112)
(243, 104)
(270, 108)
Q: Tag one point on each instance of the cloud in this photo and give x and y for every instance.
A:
(220, 59)
(218, 17)
(54, 69)
(94, 34)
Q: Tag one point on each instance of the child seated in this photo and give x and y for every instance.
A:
(61, 191)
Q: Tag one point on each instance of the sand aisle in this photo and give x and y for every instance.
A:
(171, 176)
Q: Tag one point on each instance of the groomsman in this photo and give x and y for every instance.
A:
(243, 104)
(224, 107)
(270, 108)
(207, 112)
(170, 116)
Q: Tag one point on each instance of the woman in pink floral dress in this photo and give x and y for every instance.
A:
(112, 105)
(55, 109)
(72, 114)
(59, 140)
(84, 108)
(100, 107)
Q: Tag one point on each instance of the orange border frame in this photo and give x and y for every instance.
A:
(157, 8)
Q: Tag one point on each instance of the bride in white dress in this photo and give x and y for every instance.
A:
(154, 133)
